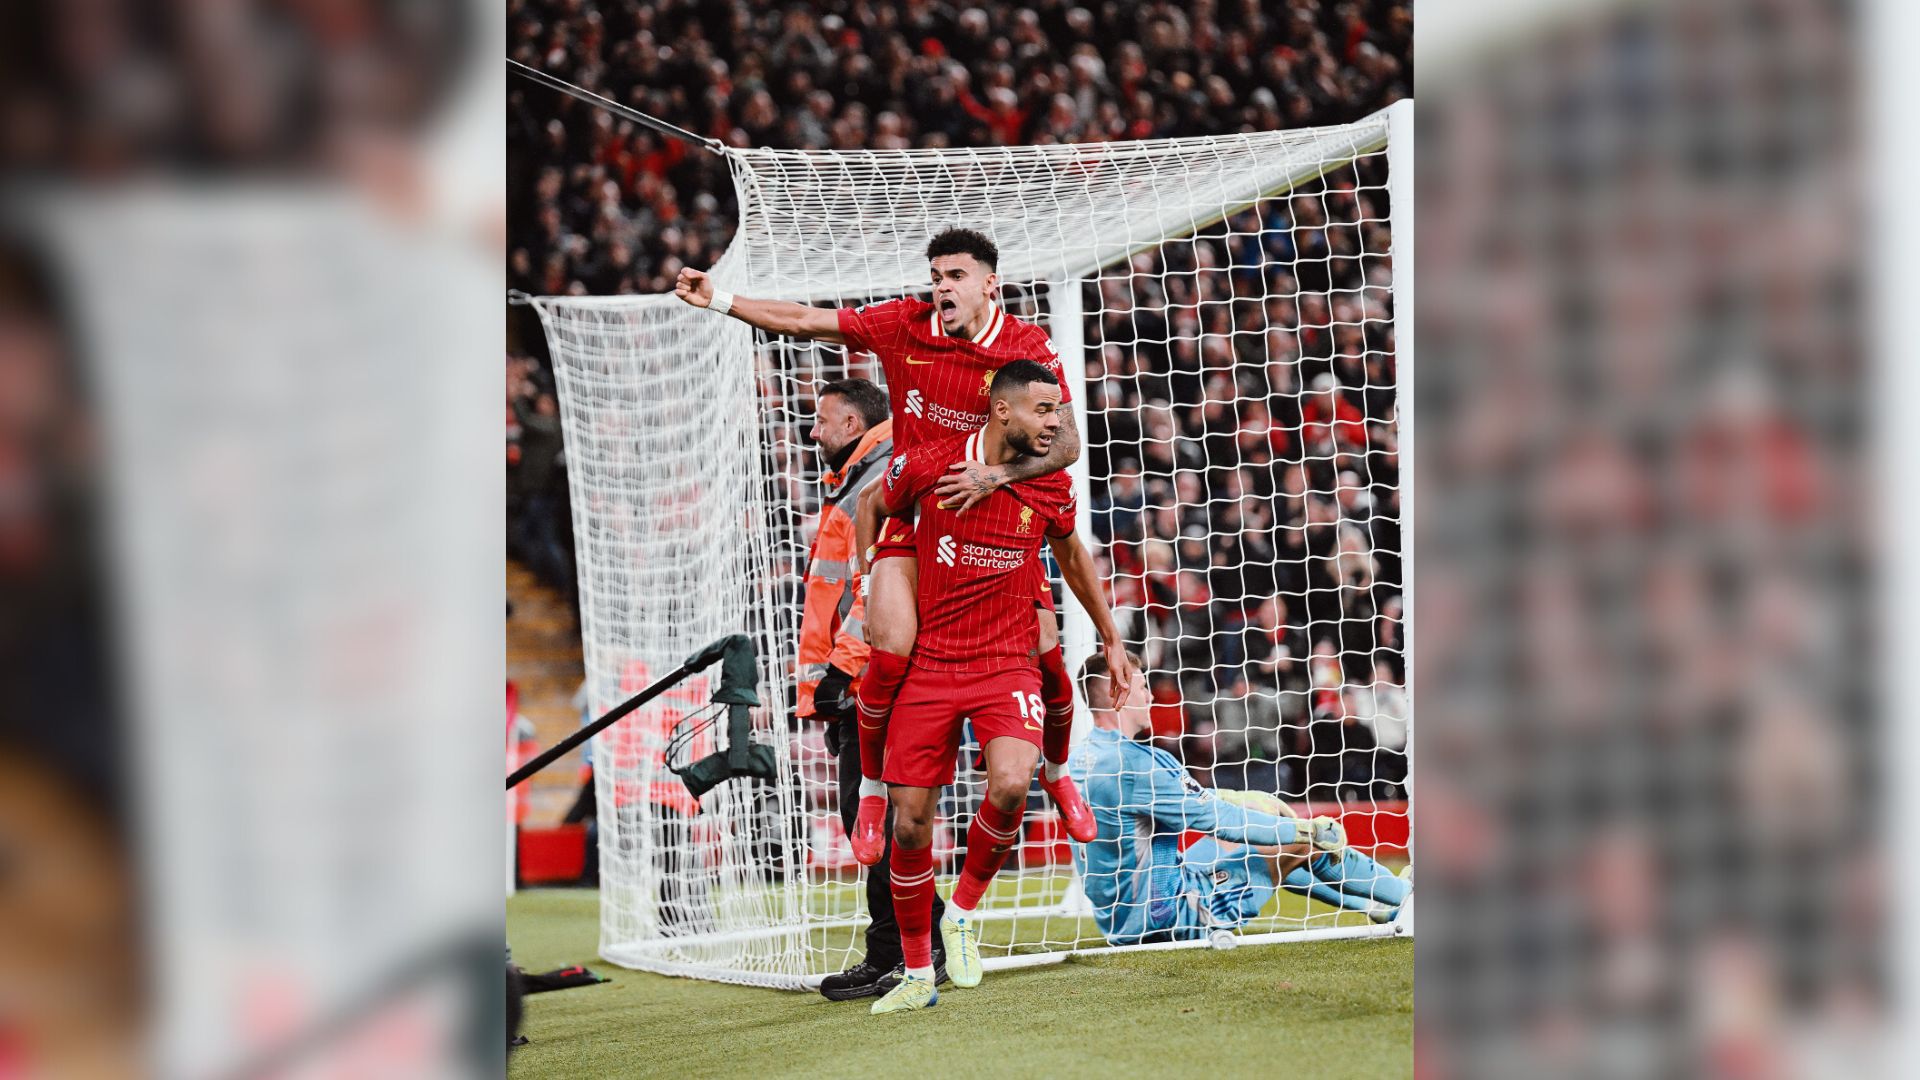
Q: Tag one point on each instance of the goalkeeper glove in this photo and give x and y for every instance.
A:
(1328, 833)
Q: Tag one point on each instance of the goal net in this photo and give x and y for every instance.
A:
(1226, 309)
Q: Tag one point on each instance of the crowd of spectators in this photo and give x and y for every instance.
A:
(1241, 410)
(1240, 417)
(600, 205)
(539, 526)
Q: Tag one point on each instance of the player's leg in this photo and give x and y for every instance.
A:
(912, 888)
(996, 824)
(1299, 879)
(1359, 877)
(1010, 761)
(892, 622)
(922, 736)
(1056, 697)
(1320, 874)
(1233, 882)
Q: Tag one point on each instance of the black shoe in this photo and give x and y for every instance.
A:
(861, 980)
(892, 978)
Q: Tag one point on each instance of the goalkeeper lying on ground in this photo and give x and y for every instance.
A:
(1144, 888)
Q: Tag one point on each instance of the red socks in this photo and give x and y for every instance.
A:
(1056, 692)
(912, 883)
(994, 833)
(878, 687)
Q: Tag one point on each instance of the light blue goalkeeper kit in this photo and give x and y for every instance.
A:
(1144, 888)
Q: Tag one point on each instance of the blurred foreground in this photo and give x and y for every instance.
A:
(1654, 758)
(250, 553)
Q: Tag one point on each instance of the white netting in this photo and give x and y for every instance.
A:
(1249, 522)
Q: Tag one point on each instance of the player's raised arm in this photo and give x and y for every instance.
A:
(773, 316)
(972, 481)
(1077, 568)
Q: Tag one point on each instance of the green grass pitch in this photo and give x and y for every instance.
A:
(1321, 1009)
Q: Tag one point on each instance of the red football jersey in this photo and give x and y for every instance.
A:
(938, 383)
(976, 578)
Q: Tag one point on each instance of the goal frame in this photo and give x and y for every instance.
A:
(1065, 324)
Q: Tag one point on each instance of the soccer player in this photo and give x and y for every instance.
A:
(939, 357)
(854, 437)
(1143, 887)
(973, 659)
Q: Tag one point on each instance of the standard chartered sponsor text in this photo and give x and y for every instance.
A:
(954, 418)
(991, 558)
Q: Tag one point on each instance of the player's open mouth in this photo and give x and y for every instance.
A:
(948, 307)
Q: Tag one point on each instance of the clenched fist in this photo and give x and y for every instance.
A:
(694, 287)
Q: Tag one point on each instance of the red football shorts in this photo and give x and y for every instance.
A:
(923, 732)
(896, 539)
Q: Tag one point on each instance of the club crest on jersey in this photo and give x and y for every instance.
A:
(986, 383)
(947, 550)
(1026, 519)
(915, 404)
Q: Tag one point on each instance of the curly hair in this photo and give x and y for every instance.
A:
(965, 242)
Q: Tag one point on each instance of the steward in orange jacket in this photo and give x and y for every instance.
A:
(833, 651)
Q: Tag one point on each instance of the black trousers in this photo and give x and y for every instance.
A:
(883, 933)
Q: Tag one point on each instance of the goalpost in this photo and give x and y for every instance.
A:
(1230, 319)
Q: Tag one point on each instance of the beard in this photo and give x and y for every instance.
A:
(1024, 443)
(834, 459)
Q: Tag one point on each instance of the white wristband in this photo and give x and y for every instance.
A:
(722, 302)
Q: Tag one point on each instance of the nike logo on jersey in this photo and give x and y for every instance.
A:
(1033, 726)
(911, 360)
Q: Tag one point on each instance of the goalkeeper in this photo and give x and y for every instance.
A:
(1144, 888)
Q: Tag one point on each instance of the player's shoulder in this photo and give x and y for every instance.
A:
(1051, 493)
(1057, 484)
(1100, 757)
(1033, 338)
(937, 451)
(900, 306)
(946, 447)
(1158, 757)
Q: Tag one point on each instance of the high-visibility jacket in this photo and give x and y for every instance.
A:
(830, 625)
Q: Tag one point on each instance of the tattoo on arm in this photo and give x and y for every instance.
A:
(1065, 451)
